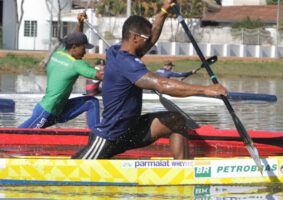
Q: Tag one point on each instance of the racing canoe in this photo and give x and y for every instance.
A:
(41, 157)
(206, 141)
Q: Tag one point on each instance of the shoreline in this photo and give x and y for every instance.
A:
(146, 58)
(23, 62)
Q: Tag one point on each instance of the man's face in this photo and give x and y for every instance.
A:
(168, 67)
(78, 51)
(143, 41)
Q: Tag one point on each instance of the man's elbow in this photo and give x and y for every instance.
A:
(161, 86)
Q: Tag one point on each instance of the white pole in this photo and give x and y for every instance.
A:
(129, 7)
(277, 28)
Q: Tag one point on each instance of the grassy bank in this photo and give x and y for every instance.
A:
(15, 63)
(231, 68)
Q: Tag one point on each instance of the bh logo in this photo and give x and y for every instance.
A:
(202, 171)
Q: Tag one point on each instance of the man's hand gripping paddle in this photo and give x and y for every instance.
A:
(210, 60)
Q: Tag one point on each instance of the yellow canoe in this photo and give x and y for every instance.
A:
(65, 171)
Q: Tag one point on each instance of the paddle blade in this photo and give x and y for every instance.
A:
(247, 141)
(170, 106)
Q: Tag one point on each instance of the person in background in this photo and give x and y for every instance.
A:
(92, 86)
(63, 69)
(123, 127)
(166, 71)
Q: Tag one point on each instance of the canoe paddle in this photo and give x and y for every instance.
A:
(241, 129)
(169, 105)
(210, 60)
(95, 31)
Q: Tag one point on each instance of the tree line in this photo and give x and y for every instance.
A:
(148, 8)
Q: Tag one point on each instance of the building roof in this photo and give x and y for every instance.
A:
(267, 13)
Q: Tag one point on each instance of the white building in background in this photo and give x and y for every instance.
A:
(38, 31)
(36, 26)
(243, 2)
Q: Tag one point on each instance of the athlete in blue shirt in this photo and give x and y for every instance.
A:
(166, 71)
(125, 76)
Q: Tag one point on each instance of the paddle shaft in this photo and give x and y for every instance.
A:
(243, 133)
(204, 61)
(94, 30)
(170, 106)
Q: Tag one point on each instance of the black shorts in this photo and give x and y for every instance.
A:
(101, 148)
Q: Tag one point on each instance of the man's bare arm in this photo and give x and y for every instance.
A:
(81, 18)
(158, 23)
(151, 81)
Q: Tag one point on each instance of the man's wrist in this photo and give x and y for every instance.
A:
(164, 11)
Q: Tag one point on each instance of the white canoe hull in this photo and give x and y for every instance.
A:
(146, 97)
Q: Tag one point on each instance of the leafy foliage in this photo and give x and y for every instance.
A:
(248, 23)
(281, 25)
(272, 2)
(148, 8)
(110, 7)
(192, 8)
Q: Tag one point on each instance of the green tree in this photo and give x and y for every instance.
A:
(280, 25)
(110, 7)
(248, 23)
(118, 7)
(192, 8)
(146, 8)
(272, 2)
(149, 8)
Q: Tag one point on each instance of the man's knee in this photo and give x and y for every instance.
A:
(93, 101)
(172, 120)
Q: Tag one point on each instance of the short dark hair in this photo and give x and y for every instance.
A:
(135, 23)
(68, 46)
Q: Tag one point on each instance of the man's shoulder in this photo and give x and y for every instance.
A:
(161, 70)
(125, 58)
(80, 62)
(63, 55)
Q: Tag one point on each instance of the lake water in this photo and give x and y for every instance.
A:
(254, 115)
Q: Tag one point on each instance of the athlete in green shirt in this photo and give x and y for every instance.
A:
(63, 70)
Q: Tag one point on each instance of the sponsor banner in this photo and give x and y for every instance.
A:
(3, 163)
(236, 168)
(157, 164)
(202, 192)
(281, 169)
